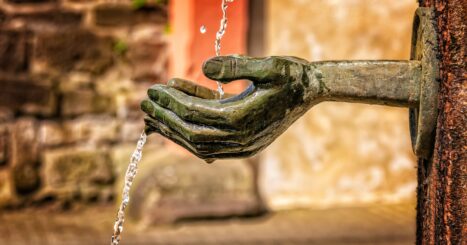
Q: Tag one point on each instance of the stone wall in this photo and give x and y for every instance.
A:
(341, 154)
(72, 74)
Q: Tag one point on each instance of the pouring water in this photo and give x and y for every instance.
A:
(137, 154)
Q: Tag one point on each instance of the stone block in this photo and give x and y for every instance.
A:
(341, 154)
(91, 129)
(70, 172)
(51, 133)
(149, 59)
(170, 186)
(27, 94)
(30, 1)
(7, 193)
(73, 49)
(24, 155)
(76, 80)
(118, 15)
(81, 1)
(26, 178)
(3, 17)
(84, 101)
(327, 159)
(51, 19)
(6, 114)
(14, 48)
(130, 130)
(4, 143)
(24, 142)
(95, 130)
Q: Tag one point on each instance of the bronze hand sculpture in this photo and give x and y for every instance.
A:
(282, 90)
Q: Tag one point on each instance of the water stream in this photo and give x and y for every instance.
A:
(220, 33)
(129, 177)
(137, 154)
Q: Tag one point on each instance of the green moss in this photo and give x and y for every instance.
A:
(138, 3)
(167, 29)
(120, 47)
(141, 3)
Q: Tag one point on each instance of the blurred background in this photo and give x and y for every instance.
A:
(72, 74)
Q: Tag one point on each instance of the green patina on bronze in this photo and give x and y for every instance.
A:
(423, 118)
(282, 90)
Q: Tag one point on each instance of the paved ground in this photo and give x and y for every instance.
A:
(386, 225)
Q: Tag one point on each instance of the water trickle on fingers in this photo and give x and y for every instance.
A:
(129, 177)
(220, 33)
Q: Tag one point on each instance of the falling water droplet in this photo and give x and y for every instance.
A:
(129, 177)
(202, 29)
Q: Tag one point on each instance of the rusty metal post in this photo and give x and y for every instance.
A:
(442, 180)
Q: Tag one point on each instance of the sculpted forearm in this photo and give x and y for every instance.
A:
(393, 83)
(282, 90)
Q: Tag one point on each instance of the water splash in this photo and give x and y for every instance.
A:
(129, 177)
(220, 33)
(202, 29)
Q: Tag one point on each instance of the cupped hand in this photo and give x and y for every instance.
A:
(234, 127)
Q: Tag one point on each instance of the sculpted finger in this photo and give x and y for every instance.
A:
(155, 126)
(201, 150)
(234, 67)
(193, 89)
(189, 108)
(196, 90)
(241, 154)
(232, 153)
(191, 132)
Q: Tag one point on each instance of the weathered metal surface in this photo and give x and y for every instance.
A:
(442, 192)
(282, 90)
(425, 49)
(392, 83)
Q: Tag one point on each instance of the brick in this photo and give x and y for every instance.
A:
(74, 49)
(68, 171)
(6, 114)
(7, 193)
(170, 187)
(80, 1)
(130, 130)
(27, 94)
(51, 133)
(26, 179)
(3, 17)
(76, 80)
(119, 15)
(31, 1)
(4, 137)
(24, 141)
(91, 129)
(24, 155)
(14, 50)
(50, 19)
(149, 59)
(84, 101)
(86, 129)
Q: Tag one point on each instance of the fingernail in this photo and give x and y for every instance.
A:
(213, 67)
(153, 94)
(147, 107)
(171, 83)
